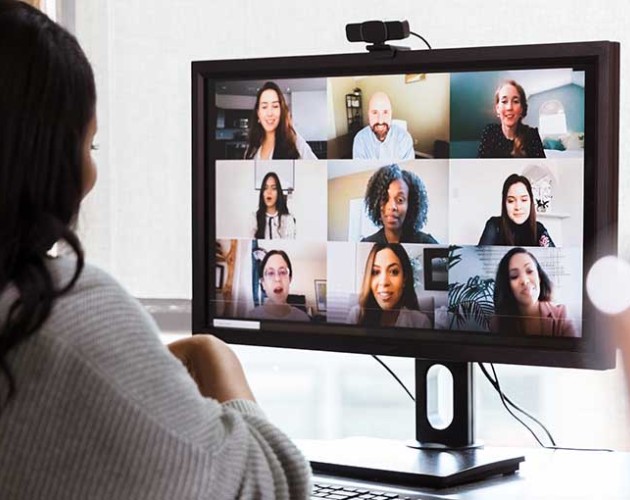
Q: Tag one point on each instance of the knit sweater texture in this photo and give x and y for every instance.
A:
(104, 411)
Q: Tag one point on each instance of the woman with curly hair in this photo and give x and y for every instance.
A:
(511, 138)
(522, 299)
(388, 296)
(396, 200)
(272, 136)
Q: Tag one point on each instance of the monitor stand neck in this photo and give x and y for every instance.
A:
(460, 433)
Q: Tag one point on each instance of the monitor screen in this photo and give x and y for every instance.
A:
(442, 204)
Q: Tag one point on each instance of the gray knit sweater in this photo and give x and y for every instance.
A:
(104, 411)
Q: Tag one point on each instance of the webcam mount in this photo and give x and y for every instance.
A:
(376, 33)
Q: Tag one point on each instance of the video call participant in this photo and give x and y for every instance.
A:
(517, 224)
(382, 140)
(92, 404)
(272, 220)
(388, 296)
(397, 200)
(272, 135)
(511, 138)
(277, 273)
(522, 299)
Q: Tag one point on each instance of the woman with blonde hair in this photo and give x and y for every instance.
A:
(510, 138)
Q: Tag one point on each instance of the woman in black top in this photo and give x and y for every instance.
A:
(517, 225)
(511, 138)
(396, 200)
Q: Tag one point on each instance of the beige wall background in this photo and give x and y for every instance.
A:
(424, 104)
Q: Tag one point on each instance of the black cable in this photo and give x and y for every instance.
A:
(495, 384)
(395, 376)
(421, 38)
(497, 387)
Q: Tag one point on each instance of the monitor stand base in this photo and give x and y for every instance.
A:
(395, 462)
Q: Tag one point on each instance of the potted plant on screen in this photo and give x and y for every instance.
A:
(470, 303)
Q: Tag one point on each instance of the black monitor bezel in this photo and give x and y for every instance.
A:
(601, 62)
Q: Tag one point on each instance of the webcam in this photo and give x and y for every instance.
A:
(377, 33)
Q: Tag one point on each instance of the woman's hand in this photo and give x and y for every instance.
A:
(213, 366)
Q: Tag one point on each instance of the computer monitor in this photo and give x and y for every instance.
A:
(444, 205)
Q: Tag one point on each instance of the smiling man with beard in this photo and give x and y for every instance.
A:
(382, 140)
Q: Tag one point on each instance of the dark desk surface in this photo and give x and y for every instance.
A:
(545, 474)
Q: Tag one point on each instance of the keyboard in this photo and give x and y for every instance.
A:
(341, 489)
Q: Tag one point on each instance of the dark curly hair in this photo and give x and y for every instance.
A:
(47, 100)
(506, 309)
(376, 196)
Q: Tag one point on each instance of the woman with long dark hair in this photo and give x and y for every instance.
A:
(388, 296)
(272, 220)
(92, 405)
(396, 200)
(510, 138)
(517, 224)
(522, 299)
(272, 135)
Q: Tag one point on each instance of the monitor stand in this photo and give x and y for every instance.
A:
(438, 458)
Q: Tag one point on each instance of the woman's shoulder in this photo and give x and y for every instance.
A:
(377, 237)
(96, 306)
(413, 318)
(491, 129)
(544, 239)
(530, 131)
(494, 223)
(419, 237)
(91, 278)
(353, 314)
(297, 315)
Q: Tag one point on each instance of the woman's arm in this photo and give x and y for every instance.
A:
(289, 220)
(304, 150)
(213, 366)
(544, 240)
(178, 435)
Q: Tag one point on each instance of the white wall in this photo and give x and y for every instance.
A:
(136, 223)
(309, 113)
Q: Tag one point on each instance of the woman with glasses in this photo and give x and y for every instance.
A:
(276, 274)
